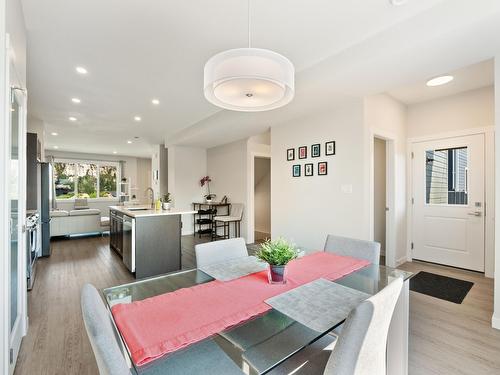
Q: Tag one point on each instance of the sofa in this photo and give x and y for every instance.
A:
(81, 221)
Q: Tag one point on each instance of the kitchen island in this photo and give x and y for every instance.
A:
(148, 240)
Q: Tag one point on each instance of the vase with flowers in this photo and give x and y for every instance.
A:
(206, 181)
(277, 254)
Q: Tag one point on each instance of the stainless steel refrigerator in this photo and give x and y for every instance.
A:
(46, 186)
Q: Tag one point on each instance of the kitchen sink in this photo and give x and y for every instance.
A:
(138, 208)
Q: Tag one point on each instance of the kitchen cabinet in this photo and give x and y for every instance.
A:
(148, 240)
(116, 231)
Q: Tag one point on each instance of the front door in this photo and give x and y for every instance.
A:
(448, 198)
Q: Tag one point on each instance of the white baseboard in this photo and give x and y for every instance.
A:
(495, 321)
(401, 260)
(187, 232)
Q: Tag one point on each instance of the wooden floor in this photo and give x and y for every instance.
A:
(445, 338)
(451, 339)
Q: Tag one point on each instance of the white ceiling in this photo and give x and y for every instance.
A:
(135, 51)
(469, 78)
(451, 35)
(138, 50)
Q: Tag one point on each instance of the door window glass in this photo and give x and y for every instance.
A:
(446, 176)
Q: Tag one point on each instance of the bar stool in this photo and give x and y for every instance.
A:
(235, 216)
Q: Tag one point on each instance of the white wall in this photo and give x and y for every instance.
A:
(159, 164)
(496, 309)
(306, 209)
(475, 108)
(143, 178)
(379, 177)
(186, 166)
(262, 195)
(386, 118)
(227, 166)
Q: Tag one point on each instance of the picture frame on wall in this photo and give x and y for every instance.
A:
(330, 148)
(296, 170)
(316, 150)
(290, 154)
(303, 152)
(322, 168)
(309, 169)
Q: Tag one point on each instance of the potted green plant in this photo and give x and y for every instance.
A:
(277, 254)
(166, 202)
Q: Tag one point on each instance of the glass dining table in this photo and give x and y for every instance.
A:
(259, 345)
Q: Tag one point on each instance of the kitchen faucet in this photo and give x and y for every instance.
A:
(152, 196)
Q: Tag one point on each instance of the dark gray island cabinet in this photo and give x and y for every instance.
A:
(148, 240)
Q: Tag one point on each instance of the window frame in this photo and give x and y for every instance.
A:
(99, 164)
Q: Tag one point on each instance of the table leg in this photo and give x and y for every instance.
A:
(397, 341)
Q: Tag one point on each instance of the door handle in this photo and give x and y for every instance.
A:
(475, 213)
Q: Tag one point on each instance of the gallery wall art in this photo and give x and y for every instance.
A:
(316, 151)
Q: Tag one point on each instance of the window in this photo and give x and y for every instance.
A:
(64, 180)
(446, 176)
(107, 181)
(74, 179)
(87, 181)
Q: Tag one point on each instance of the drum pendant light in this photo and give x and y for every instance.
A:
(249, 79)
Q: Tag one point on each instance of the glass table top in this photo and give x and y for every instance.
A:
(257, 345)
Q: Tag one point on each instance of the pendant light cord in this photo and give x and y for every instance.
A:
(249, 37)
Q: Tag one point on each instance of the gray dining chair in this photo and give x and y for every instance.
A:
(220, 251)
(108, 355)
(361, 249)
(360, 348)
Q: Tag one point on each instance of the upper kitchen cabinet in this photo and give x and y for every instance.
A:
(33, 157)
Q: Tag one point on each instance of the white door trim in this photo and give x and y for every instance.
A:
(390, 232)
(452, 134)
(489, 132)
(251, 192)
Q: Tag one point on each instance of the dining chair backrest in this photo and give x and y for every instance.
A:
(355, 248)
(220, 251)
(362, 344)
(236, 210)
(108, 355)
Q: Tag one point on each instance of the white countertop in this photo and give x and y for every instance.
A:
(133, 211)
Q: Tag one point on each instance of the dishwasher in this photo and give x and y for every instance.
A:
(128, 242)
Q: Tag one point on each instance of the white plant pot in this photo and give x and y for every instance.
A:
(167, 206)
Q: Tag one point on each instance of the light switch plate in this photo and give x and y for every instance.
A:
(347, 189)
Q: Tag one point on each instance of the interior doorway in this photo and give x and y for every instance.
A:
(380, 206)
(262, 199)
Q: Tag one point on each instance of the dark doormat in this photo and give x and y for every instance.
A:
(442, 287)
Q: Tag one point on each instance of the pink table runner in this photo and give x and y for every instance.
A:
(168, 322)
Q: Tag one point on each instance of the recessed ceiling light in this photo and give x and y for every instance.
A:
(76, 100)
(56, 147)
(137, 118)
(71, 118)
(54, 134)
(129, 142)
(114, 152)
(438, 81)
(81, 70)
(155, 101)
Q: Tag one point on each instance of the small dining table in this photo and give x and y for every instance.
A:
(260, 344)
